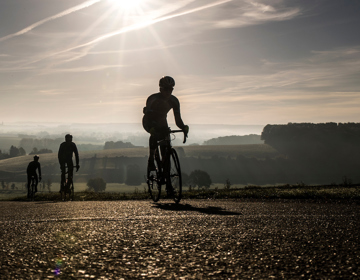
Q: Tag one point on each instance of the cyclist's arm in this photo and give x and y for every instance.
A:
(76, 155)
(39, 166)
(60, 153)
(176, 108)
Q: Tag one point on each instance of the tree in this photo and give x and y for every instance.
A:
(200, 178)
(133, 177)
(22, 151)
(14, 152)
(185, 179)
(35, 151)
(49, 183)
(117, 145)
(227, 184)
(96, 184)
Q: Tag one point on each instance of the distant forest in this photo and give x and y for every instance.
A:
(319, 142)
(235, 140)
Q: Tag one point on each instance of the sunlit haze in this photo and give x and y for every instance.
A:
(234, 62)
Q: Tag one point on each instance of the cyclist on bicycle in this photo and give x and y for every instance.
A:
(155, 115)
(65, 155)
(31, 172)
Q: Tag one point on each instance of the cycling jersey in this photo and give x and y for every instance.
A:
(156, 111)
(31, 169)
(66, 151)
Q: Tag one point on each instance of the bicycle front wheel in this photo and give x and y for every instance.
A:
(153, 182)
(175, 176)
(71, 195)
(32, 191)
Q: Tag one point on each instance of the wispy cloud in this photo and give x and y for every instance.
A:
(140, 25)
(59, 15)
(325, 78)
(83, 69)
(248, 12)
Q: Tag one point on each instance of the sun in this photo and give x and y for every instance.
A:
(127, 4)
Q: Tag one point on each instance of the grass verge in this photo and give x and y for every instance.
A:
(336, 192)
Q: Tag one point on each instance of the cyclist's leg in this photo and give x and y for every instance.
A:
(152, 150)
(70, 166)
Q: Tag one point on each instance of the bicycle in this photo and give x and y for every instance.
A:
(167, 170)
(31, 190)
(67, 186)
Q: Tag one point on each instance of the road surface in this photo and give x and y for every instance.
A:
(199, 239)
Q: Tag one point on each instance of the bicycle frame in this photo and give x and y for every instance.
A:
(168, 170)
(67, 185)
(31, 190)
(163, 157)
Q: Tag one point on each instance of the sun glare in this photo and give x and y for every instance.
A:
(127, 4)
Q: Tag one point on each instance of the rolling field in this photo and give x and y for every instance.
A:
(19, 164)
(79, 187)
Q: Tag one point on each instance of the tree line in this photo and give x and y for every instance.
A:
(13, 152)
(322, 141)
(17, 152)
(235, 140)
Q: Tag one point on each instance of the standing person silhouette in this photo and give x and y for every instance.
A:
(31, 171)
(65, 155)
(155, 115)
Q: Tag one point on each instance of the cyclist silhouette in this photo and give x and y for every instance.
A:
(65, 154)
(155, 115)
(31, 172)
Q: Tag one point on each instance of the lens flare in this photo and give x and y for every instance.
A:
(58, 265)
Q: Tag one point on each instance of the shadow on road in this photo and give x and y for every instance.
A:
(187, 207)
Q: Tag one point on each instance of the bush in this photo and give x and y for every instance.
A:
(133, 177)
(200, 178)
(96, 184)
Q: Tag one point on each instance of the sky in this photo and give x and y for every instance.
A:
(238, 62)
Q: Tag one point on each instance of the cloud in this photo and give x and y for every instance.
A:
(244, 13)
(326, 79)
(83, 69)
(136, 26)
(216, 14)
(59, 15)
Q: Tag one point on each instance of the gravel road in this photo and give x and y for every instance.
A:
(199, 239)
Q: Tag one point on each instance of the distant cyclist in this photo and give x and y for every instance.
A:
(155, 115)
(31, 172)
(65, 155)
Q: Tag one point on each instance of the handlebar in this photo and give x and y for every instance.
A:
(179, 130)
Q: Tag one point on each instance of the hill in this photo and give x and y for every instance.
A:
(19, 164)
(235, 140)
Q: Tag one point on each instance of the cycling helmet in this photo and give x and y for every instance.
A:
(167, 81)
(36, 157)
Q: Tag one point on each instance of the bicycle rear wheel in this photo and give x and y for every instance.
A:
(65, 191)
(153, 182)
(175, 176)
